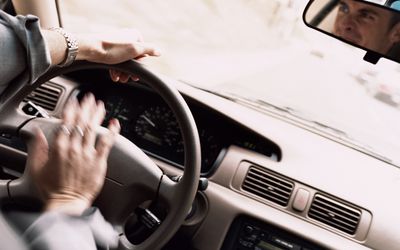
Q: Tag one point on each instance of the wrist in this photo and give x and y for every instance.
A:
(89, 49)
(71, 46)
(68, 206)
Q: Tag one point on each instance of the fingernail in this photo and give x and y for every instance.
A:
(100, 103)
(90, 96)
(73, 101)
(116, 122)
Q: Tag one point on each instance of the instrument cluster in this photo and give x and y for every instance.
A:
(147, 121)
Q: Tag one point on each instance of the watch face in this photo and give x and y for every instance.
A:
(72, 46)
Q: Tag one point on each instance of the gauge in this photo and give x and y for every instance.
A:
(119, 107)
(157, 125)
(210, 149)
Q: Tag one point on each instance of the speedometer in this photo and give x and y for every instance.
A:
(157, 132)
(157, 125)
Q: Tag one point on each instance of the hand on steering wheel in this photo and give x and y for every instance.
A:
(70, 173)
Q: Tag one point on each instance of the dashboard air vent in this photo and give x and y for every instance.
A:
(335, 214)
(268, 186)
(46, 96)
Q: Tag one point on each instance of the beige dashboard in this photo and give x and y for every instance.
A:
(311, 164)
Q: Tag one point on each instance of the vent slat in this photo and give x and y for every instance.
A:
(268, 186)
(265, 196)
(42, 99)
(266, 190)
(335, 219)
(334, 205)
(46, 96)
(43, 95)
(42, 104)
(268, 179)
(332, 224)
(47, 92)
(265, 176)
(335, 214)
(269, 176)
(341, 213)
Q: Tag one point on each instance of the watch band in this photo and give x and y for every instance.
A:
(72, 46)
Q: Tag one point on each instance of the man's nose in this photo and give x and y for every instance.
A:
(348, 23)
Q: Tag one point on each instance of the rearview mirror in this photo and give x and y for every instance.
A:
(370, 25)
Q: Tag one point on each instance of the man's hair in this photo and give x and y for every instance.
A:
(395, 13)
(395, 19)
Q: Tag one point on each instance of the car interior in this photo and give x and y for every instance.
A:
(194, 169)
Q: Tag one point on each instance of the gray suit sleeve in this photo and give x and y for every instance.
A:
(53, 230)
(23, 50)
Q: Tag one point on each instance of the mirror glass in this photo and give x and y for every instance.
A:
(370, 25)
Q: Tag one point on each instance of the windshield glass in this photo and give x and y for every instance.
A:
(261, 51)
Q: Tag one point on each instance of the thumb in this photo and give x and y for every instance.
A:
(144, 49)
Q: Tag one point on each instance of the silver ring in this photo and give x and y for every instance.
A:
(78, 130)
(64, 129)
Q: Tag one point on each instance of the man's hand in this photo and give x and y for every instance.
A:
(70, 173)
(108, 47)
(115, 47)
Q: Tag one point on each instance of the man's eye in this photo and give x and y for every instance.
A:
(368, 16)
(343, 8)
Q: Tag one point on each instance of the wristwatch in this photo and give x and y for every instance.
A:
(72, 46)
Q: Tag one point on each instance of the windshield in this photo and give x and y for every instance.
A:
(261, 51)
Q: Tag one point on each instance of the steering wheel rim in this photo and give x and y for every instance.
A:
(178, 196)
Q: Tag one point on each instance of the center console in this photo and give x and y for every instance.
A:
(249, 234)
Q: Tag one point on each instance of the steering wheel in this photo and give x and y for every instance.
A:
(132, 177)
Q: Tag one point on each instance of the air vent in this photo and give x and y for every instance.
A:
(46, 96)
(268, 186)
(334, 214)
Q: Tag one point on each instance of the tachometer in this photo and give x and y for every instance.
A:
(120, 108)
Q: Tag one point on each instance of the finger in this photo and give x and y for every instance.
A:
(61, 138)
(124, 78)
(88, 106)
(141, 49)
(106, 141)
(118, 76)
(90, 133)
(38, 149)
(68, 115)
(135, 78)
(141, 57)
(114, 75)
(81, 114)
(83, 117)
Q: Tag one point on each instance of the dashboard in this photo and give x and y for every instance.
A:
(147, 121)
(251, 160)
(236, 141)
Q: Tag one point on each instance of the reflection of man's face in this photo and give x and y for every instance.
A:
(364, 25)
